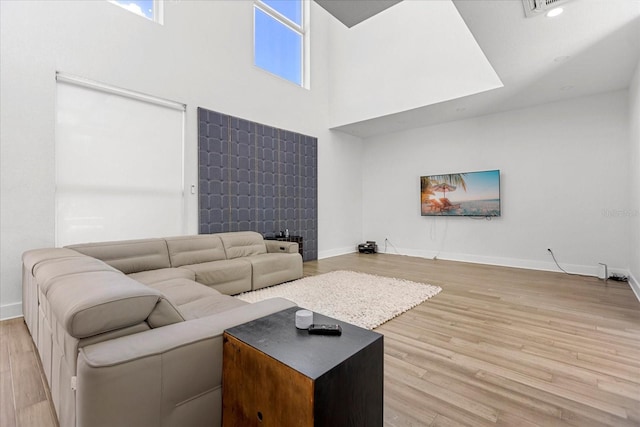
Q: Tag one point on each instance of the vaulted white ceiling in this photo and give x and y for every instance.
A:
(413, 54)
(593, 47)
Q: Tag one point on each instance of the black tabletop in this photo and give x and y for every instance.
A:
(312, 355)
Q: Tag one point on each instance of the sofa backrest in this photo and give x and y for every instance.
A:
(35, 256)
(187, 250)
(129, 256)
(242, 243)
(48, 270)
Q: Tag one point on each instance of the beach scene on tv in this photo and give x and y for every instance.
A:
(461, 194)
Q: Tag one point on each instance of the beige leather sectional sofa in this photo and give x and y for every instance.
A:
(130, 333)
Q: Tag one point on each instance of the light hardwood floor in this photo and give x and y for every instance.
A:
(497, 347)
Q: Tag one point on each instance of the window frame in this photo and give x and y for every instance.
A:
(301, 30)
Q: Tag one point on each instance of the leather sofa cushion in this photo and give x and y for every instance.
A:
(129, 256)
(230, 277)
(161, 275)
(242, 244)
(35, 256)
(194, 300)
(183, 291)
(187, 250)
(92, 303)
(48, 270)
(274, 268)
(213, 304)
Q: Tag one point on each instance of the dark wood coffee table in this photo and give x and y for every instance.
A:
(277, 375)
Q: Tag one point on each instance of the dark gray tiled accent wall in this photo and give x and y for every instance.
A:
(256, 177)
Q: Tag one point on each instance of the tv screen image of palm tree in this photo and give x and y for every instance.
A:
(461, 194)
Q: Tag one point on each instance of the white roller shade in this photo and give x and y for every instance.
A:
(119, 164)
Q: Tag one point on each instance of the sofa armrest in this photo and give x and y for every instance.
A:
(275, 246)
(173, 373)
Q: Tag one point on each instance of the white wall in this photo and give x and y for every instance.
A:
(634, 168)
(413, 54)
(562, 164)
(201, 56)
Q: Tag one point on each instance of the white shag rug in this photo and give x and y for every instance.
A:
(361, 299)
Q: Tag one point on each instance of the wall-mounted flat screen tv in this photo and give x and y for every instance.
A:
(461, 194)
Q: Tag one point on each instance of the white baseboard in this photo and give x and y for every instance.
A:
(635, 286)
(587, 270)
(336, 252)
(9, 311)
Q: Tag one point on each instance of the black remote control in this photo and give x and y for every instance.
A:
(318, 329)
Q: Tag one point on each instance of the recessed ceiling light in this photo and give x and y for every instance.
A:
(555, 12)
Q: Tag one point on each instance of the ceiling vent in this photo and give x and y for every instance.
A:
(540, 7)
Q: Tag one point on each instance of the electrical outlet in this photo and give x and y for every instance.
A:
(603, 271)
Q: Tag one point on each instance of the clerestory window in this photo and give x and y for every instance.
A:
(279, 38)
(150, 9)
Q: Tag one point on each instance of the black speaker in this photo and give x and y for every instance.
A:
(369, 247)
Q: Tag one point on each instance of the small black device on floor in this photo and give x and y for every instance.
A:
(369, 247)
(319, 329)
